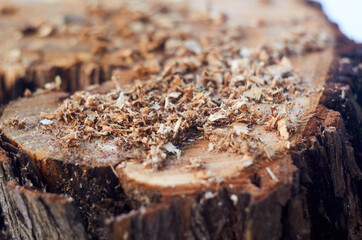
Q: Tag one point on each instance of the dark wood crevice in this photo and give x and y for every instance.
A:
(76, 76)
(20, 167)
(330, 164)
(30, 213)
(255, 179)
(96, 192)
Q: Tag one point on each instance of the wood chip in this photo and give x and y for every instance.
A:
(45, 121)
(172, 149)
(272, 175)
(283, 130)
(185, 82)
(269, 151)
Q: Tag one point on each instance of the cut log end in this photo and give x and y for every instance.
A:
(225, 130)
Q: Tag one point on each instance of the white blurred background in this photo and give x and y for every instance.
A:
(347, 14)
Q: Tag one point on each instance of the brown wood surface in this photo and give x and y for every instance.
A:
(29, 213)
(316, 192)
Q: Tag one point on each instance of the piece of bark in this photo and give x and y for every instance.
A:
(274, 200)
(31, 214)
(332, 158)
(247, 212)
(40, 215)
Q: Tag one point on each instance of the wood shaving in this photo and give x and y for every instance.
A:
(16, 123)
(283, 130)
(54, 85)
(269, 151)
(172, 149)
(45, 121)
(200, 81)
(195, 164)
(27, 93)
(272, 175)
(234, 199)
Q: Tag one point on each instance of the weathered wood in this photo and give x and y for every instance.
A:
(310, 191)
(95, 190)
(31, 214)
(55, 46)
(323, 202)
(227, 213)
(331, 161)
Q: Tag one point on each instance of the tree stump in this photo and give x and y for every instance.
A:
(223, 120)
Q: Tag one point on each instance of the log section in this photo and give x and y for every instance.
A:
(274, 154)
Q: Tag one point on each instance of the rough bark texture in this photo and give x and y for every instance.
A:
(31, 214)
(331, 164)
(324, 199)
(95, 192)
(321, 200)
(75, 75)
(226, 215)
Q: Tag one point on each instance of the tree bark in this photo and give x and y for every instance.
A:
(31, 214)
(314, 191)
(321, 201)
